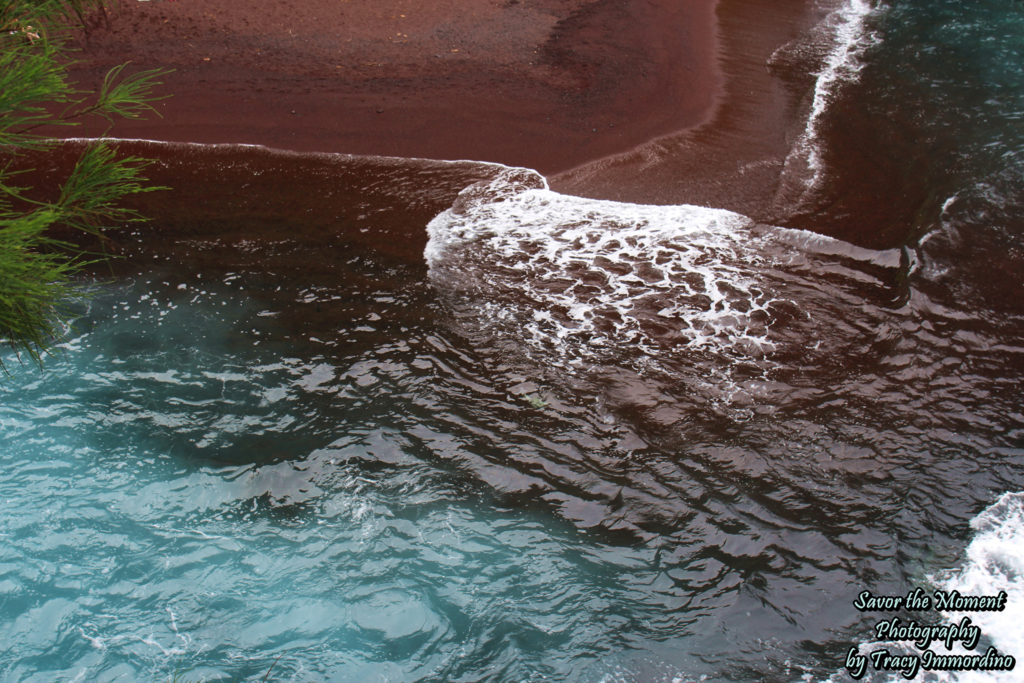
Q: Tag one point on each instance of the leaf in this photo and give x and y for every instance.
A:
(36, 268)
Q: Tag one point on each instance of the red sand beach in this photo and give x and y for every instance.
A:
(542, 83)
(732, 159)
(629, 100)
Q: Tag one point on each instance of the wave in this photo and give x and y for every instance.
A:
(844, 35)
(570, 284)
(993, 563)
(601, 270)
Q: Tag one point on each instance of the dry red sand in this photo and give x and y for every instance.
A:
(548, 84)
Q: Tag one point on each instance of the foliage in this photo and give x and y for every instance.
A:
(536, 401)
(36, 269)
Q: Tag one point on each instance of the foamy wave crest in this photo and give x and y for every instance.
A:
(846, 31)
(572, 273)
(994, 562)
(705, 298)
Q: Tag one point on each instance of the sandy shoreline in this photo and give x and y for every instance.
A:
(733, 159)
(538, 83)
(623, 100)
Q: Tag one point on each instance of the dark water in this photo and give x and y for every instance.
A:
(539, 437)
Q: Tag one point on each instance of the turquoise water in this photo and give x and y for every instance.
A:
(570, 440)
(182, 495)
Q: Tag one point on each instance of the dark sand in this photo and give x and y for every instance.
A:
(547, 84)
(628, 100)
(734, 158)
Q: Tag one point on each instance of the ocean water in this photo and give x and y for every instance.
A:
(401, 420)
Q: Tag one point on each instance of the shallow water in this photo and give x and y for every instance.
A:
(188, 492)
(406, 435)
(369, 477)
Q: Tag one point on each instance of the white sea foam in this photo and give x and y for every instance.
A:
(846, 30)
(566, 269)
(574, 276)
(993, 562)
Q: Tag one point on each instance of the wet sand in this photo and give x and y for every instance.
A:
(733, 159)
(539, 83)
(614, 100)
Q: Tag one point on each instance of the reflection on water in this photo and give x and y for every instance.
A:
(583, 441)
(362, 472)
(195, 487)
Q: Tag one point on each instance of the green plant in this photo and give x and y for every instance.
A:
(535, 401)
(36, 269)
